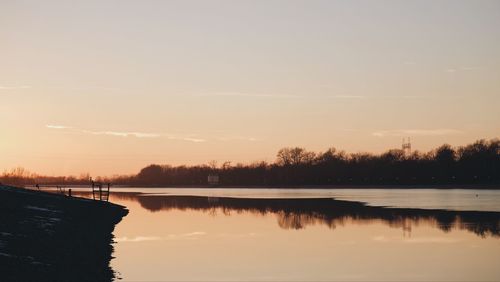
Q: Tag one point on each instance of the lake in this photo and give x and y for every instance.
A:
(307, 234)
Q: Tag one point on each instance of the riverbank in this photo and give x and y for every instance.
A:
(53, 237)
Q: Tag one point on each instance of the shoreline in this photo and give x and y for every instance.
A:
(333, 187)
(53, 237)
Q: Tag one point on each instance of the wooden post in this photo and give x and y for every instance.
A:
(107, 193)
(69, 192)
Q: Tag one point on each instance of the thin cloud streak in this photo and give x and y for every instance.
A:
(52, 126)
(293, 96)
(125, 133)
(188, 138)
(460, 69)
(111, 133)
(195, 140)
(240, 235)
(410, 63)
(257, 95)
(4, 87)
(417, 132)
(237, 138)
(348, 96)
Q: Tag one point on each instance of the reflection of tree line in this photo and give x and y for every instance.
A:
(299, 213)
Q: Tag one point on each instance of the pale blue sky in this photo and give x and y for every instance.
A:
(111, 86)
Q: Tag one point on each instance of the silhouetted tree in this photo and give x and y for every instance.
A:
(294, 156)
(477, 163)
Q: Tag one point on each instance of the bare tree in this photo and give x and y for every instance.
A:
(294, 156)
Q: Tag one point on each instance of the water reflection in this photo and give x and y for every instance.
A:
(300, 213)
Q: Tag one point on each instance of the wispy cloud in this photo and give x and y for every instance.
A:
(237, 138)
(111, 133)
(417, 132)
(403, 96)
(188, 138)
(123, 133)
(54, 126)
(13, 87)
(376, 96)
(257, 95)
(460, 69)
(264, 95)
(195, 233)
(411, 96)
(297, 96)
(348, 96)
(239, 235)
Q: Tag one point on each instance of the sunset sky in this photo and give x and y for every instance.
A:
(108, 87)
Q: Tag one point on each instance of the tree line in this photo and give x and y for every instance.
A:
(476, 163)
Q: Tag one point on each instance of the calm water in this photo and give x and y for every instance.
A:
(451, 199)
(303, 235)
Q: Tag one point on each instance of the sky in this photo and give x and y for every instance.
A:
(108, 87)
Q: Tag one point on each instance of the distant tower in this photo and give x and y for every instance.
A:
(406, 147)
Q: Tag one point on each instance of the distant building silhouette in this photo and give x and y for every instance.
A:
(213, 179)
